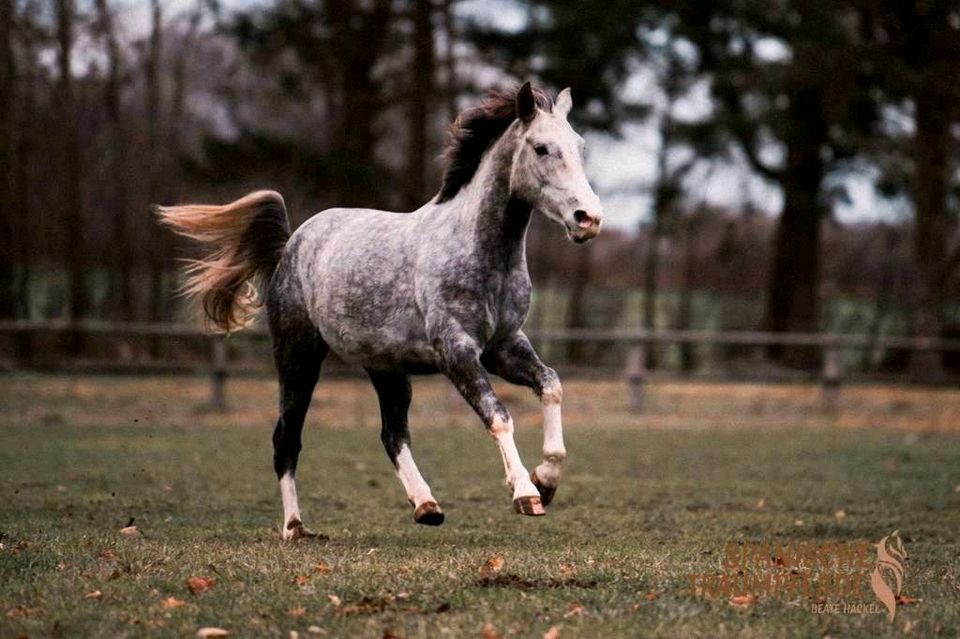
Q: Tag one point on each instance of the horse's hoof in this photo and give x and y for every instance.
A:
(531, 506)
(428, 513)
(546, 492)
(296, 530)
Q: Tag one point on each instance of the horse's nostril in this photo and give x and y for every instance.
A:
(584, 219)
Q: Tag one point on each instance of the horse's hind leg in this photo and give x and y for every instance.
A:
(299, 351)
(394, 393)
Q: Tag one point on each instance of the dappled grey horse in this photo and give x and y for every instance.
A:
(442, 289)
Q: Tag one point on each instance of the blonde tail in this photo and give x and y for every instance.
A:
(245, 240)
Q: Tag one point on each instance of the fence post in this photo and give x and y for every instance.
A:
(218, 373)
(831, 374)
(636, 376)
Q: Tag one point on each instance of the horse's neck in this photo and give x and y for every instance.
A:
(494, 219)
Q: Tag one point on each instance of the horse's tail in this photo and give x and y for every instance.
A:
(243, 240)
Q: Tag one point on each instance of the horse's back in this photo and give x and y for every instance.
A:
(353, 269)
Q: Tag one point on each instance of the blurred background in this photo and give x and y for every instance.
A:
(775, 167)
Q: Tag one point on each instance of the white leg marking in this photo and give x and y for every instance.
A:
(291, 509)
(417, 489)
(517, 476)
(554, 451)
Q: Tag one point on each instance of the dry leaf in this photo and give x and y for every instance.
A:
(212, 633)
(322, 568)
(840, 514)
(301, 580)
(22, 611)
(797, 522)
(388, 633)
(294, 635)
(316, 630)
(172, 602)
(492, 566)
(335, 600)
(653, 595)
(297, 612)
(904, 600)
(575, 609)
(566, 570)
(201, 584)
(107, 553)
(761, 504)
(552, 633)
(61, 566)
(490, 632)
(130, 531)
(96, 594)
(743, 600)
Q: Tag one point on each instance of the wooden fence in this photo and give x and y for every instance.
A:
(635, 373)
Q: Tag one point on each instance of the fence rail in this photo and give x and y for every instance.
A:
(635, 373)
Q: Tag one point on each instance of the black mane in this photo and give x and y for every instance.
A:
(474, 131)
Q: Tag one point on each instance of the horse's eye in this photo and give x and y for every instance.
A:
(541, 149)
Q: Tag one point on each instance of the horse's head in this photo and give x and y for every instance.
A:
(548, 168)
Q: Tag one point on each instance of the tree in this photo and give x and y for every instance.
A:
(8, 204)
(788, 79)
(918, 46)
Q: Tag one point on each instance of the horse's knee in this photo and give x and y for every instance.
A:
(552, 392)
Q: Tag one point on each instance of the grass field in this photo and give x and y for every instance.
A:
(646, 501)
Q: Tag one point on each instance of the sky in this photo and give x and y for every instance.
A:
(621, 168)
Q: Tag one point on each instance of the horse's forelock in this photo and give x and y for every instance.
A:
(475, 130)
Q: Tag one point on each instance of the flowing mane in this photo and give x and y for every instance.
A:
(474, 131)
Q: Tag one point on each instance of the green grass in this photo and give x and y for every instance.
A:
(640, 509)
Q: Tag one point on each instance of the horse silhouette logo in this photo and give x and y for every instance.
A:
(890, 557)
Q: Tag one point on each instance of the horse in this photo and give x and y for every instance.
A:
(442, 289)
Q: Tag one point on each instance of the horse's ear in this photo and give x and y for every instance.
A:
(564, 103)
(526, 104)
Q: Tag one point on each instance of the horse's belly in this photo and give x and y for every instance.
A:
(385, 345)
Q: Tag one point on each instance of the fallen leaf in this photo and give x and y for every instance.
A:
(797, 522)
(22, 611)
(575, 609)
(297, 612)
(61, 566)
(566, 570)
(388, 633)
(294, 634)
(492, 566)
(172, 602)
(335, 600)
(130, 531)
(552, 633)
(301, 580)
(211, 632)
(653, 595)
(316, 630)
(322, 568)
(107, 553)
(908, 626)
(743, 600)
(904, 600)
(490, 632)
(761, 504)
(840, 514)
(201, 584)
(96, 594)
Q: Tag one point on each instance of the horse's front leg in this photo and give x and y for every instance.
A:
(460, 358)
(515, 361)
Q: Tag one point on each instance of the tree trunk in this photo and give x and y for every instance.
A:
(421, 91)
(8, 205)
(122, 289)
(685, 314)
(576, 308)
(76, 246)
(152, 94)
(931, 154)
(793, 300)
(449, 58)
(651, 270)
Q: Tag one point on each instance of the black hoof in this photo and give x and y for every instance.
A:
(428, 513)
